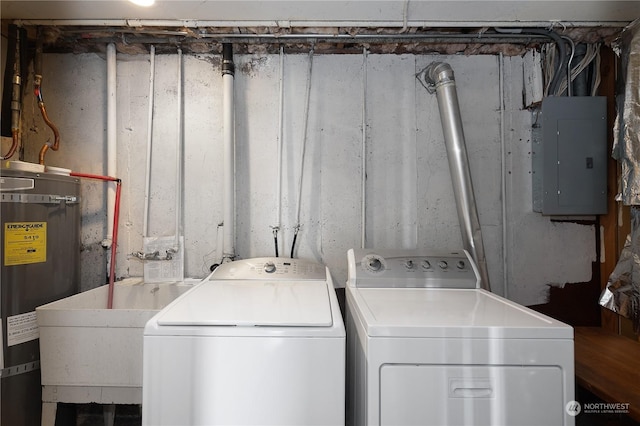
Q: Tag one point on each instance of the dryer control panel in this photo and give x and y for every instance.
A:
(271, 268)
(411, 268)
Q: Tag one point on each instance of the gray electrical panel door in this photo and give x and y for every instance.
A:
(570, 159)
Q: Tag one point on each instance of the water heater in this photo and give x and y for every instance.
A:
(40, 233)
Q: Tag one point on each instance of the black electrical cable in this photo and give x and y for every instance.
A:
(293, 244)
(275, 240)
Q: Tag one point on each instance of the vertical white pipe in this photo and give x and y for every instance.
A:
(503, 177)
(112, 130)
(280, 142)
(147, 188)
(228, 251)
(363, 207)
(179, 148)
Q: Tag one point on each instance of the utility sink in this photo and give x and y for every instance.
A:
(89, 353)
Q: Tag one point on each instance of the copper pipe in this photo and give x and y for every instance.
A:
(38, 92)
(56, 134)
(14, 145)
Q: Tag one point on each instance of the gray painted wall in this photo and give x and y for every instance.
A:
(409, 201)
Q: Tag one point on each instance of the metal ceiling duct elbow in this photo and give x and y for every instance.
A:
(438, 78)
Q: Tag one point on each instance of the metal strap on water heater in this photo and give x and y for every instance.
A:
(19, 369)
(40, 198)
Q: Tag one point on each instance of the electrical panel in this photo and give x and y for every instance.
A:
(569, 156)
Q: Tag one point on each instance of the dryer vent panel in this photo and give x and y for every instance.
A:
(569, 156)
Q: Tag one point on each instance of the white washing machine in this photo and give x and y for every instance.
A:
(427, 346)
(261, 343)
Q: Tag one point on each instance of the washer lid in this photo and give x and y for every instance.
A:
(450, 313)
(251, 303)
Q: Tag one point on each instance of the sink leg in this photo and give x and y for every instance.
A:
(49, 410)
(109, 412)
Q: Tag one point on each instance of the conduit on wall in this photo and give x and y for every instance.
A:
(438, 78)
(303, 153)
(179, 159)
(503, 183)
(147, 186)
(278, 221)
(363, 206)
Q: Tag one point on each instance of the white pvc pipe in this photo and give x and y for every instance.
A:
(147, 188)
(503, 188)
(179, 149)
(228, 252)
(363, 207)
(112, 130)
(280, 142)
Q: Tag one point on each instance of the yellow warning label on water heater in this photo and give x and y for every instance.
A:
(25, 242)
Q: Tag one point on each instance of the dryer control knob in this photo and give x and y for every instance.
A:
(375, 264)
(426, 264)
(408, 264)
(460, 264)
(443, 264)
(269, 267)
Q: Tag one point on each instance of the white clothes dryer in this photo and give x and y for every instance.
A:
(261, 343)
(427, 346)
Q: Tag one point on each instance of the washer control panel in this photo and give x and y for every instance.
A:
(411, 268)
(271, 268)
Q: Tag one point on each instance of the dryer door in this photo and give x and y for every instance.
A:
(471, 395)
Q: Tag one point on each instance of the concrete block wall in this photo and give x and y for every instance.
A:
(408, 196)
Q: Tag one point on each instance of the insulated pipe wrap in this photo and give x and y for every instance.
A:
(438, 78)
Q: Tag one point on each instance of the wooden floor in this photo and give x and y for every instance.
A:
(599, 419)
(608, 365)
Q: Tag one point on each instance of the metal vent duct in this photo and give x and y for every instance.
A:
(438, 78)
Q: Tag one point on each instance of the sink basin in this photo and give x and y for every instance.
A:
(89, 353)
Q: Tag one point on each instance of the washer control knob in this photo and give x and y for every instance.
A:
(426, 264)
(460, 264)
(408, 264)
(269, 267)
(443, 264)
(375, 264)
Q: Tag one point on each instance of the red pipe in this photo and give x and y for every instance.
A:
(90, 176)
(114, 238)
